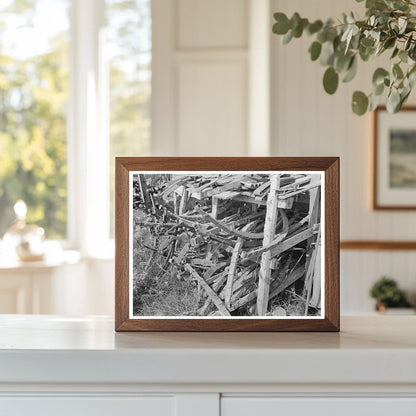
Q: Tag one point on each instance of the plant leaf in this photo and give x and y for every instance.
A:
(330, 81)
(359, 103)
(403, 56)
(315, 50)
(379, 75)
(376, 4)
(314, 27)
(341, 61)
(374, 101)
(402, 25)
(288, 37)
(351, 71)
(395, 52)
(408, 42)
(327, 53)
(393, 101)
(397, 71)
(282, 25)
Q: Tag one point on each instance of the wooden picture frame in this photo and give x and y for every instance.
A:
(308, 178)
(394, 185)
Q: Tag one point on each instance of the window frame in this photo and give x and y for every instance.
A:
(87, 128)
(87, 133)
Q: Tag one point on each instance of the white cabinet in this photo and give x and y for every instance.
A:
(271, 406)
(79, 366)
(88, 406)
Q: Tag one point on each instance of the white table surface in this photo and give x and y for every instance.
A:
(49, 349)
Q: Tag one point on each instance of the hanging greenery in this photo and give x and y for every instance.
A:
(389, 27)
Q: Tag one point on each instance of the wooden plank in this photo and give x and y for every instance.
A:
(292, 278)
(239, 196)
(174, 185)
(300, 190)
(233, 265)
(241, 283)
(219, 282)
(202, 262)
(261, 189)
(197, 193)
(285, 203)
(212, 279)
(143, 189)
(227, 187)
(269, 232)
(244, 300)
(296, 183)
(282, 246)
(231, 271)
(176, 203)
(247, 219)
(211, 294)
(182, 253)
(316, 281)
(184, 200)
(314, 208)
(214, 209)
(228, 230)
(227, 194)
(210, 272)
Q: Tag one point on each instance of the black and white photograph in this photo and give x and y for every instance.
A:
(226, 244)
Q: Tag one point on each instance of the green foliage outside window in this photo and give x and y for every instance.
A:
(34, 103)
(33, 99)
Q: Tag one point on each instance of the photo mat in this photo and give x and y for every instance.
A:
(226, 245)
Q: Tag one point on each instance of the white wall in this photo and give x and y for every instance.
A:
(308, 122)
(211, 91)
(200, 77)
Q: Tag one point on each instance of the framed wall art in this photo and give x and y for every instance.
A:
(394, 176)
(227, 244)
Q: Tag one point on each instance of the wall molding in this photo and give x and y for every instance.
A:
(378, 245)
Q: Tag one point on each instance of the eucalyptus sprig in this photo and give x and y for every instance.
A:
(389, 26)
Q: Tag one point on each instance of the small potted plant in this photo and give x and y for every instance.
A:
(388, 295)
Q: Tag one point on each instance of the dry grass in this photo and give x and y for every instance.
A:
(293, 303)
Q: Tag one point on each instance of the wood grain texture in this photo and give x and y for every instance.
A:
(330, 165)
(121, 244)
(378, 245)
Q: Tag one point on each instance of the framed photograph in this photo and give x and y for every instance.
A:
(394, 178)
(227, 244)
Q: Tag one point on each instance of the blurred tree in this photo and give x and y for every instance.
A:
(33, 97)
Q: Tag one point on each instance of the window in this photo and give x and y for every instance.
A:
(33, 97)
(129, 46)
(75, 87)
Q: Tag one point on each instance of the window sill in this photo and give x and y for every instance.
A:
(7, 262)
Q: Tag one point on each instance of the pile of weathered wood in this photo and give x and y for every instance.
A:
(243, 239)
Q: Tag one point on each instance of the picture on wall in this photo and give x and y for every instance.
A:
(402, 169)
(214, 245)
(394, 179)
